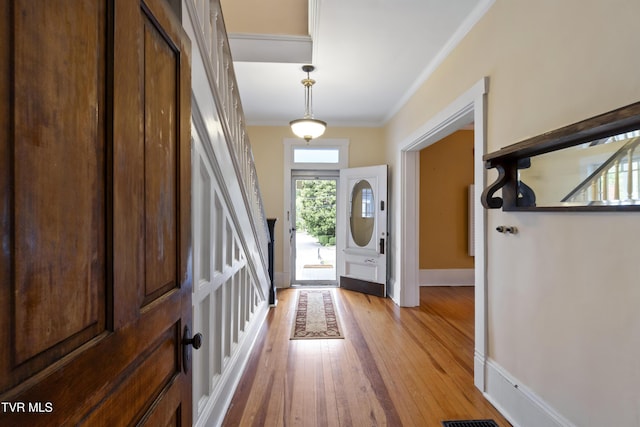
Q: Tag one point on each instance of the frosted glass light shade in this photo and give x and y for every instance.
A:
(308, 129)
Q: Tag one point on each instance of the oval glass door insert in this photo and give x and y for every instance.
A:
(362, 213)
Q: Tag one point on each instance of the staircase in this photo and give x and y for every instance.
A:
(615, 181)
(230, 232)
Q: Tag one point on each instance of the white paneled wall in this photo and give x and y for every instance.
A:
(230, 234)
(227, 294)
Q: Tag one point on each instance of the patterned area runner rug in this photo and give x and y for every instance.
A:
(316, 316)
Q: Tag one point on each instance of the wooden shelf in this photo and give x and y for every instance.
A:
(518, 196)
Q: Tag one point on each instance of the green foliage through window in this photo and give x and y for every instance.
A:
(316, 207)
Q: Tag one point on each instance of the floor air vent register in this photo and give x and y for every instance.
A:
(470, 423)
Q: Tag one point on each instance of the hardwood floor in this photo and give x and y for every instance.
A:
(395, 367)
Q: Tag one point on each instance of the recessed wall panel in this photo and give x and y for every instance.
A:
(204, 234)
(160, 162)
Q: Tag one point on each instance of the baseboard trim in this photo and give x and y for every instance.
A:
(519, 404)
(479, 363)
(447, 277)
(442, 277)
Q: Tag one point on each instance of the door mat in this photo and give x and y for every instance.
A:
(317, 266)
(316, 317)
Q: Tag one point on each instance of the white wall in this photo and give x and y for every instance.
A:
(563, 321)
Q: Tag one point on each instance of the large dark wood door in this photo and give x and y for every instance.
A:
(95, 282)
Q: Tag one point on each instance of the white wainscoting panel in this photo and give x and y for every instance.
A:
(229, 302)
(230, 276)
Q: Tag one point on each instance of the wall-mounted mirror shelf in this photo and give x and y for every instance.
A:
(587, 166)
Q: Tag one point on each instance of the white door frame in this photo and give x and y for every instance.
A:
(470, 107)
(328, 175)
(283, 279)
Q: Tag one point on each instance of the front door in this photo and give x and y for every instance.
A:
(95, 286)
(313, 237)
(362, 229)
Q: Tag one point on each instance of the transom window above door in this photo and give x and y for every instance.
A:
(320, 154)
(316, 155)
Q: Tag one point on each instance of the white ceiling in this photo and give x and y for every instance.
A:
(370, 56)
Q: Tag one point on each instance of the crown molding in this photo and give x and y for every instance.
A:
(466, 26)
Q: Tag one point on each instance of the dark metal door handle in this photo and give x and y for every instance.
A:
(187, 342)
(196, 341)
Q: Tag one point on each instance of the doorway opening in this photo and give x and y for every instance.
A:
(469, 107)
(446, 175)
(313, 232)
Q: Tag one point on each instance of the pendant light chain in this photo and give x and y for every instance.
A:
(308, 127)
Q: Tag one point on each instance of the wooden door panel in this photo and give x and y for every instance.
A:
(56, 195)
(157, 371)
(169, 413)
(89, 383)
(160, 129)
(95, 287)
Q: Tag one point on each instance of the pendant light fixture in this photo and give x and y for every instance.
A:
(308, 127)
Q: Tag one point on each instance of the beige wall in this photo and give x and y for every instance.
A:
(283, 17)
(446, 171)
(563, 293)
(366, 148)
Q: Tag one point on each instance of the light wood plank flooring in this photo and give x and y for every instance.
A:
(396, 366)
